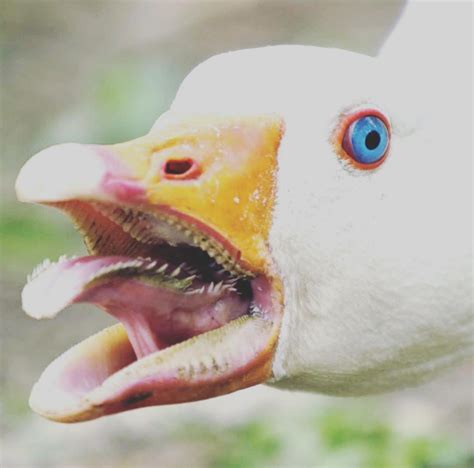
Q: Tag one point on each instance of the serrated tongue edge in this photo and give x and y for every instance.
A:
(59, 284)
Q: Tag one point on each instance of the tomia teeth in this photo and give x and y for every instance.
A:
(162, 268)
(151, 229)
(139, 264)
(175, 272)
(142, 227)
(254, 309)
(217, 288)
(212, 288)
(45, 264)
(147, 228)
(192, 271)
(210, 251)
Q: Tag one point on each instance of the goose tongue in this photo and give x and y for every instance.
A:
(101, 375)
(157, 304)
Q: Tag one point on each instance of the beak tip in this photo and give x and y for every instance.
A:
(59, 173)
(38, 402)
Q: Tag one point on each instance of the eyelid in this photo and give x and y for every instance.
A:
(344, 125)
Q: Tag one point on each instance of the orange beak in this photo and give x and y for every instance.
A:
(220, 172)
(200, 187)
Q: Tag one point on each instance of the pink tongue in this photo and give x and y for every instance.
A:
(143, 309)
(140, 334)
(154, 316)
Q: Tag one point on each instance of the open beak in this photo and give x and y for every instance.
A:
(176, 224)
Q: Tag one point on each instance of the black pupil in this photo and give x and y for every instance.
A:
(372, 140)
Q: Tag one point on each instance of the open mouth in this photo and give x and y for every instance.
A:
(178, 291)
(177, 226)
(164, 280)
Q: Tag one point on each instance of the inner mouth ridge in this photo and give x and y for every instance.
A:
(165, 228)
(163, 287)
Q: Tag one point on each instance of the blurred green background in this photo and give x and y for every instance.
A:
(102, 72)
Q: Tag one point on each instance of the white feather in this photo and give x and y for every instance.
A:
(376, 265)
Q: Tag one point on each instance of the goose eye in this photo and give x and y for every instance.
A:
(366, 140)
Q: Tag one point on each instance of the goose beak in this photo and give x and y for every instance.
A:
(176, 224)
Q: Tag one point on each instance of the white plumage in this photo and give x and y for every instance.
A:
(376, 264)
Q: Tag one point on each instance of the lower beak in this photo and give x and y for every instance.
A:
(201, 186)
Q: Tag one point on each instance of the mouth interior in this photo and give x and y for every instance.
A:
(165, 280)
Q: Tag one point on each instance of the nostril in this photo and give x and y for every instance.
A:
(180, 169)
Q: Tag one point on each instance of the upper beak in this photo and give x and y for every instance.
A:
(219, 172)
(218, 175)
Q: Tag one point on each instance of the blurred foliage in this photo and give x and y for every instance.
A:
(68, 81)
(128, 97)
(120, 102)
(371, 440)
(248, 445)
(28, 238)
(342, 438)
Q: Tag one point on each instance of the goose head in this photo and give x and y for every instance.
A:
(290, 220)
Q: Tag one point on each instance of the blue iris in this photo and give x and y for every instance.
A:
(367, 139)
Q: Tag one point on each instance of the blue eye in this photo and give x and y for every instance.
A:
(366, 140)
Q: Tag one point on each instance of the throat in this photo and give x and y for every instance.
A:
(156, 317)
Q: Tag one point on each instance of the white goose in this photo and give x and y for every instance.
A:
(300, 216)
